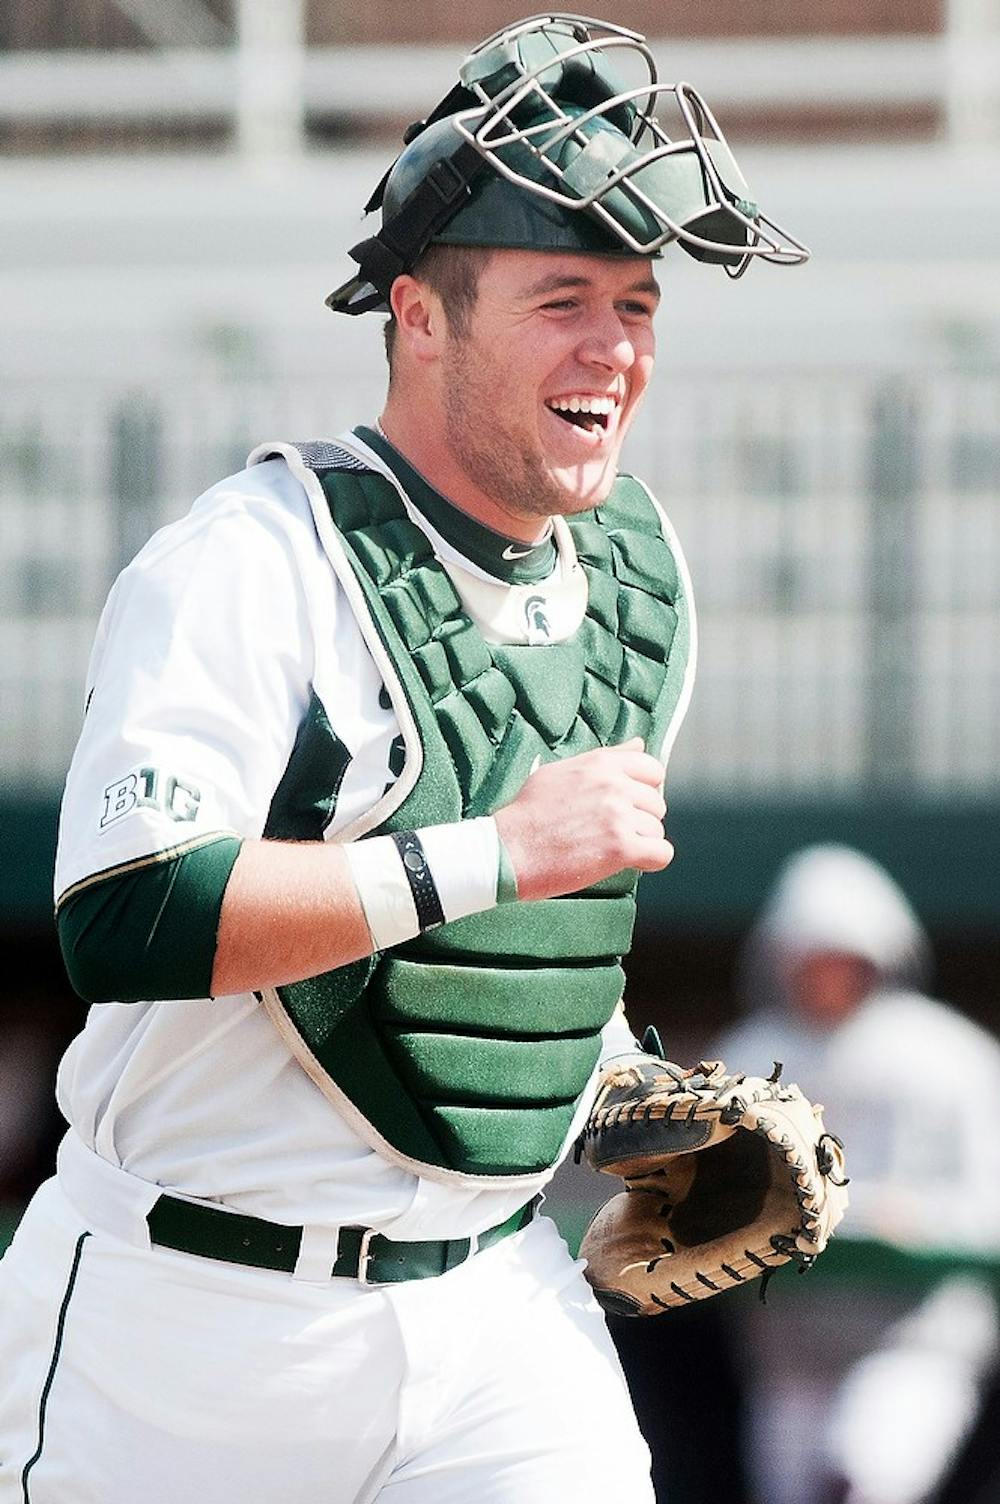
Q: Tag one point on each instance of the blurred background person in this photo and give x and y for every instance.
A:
(864, 1379)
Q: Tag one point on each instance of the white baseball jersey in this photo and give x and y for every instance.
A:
(210, 646)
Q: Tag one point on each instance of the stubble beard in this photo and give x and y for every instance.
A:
(501, 463)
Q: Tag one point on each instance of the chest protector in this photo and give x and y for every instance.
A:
(463, 1054)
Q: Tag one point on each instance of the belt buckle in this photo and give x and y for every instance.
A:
(365, 1257)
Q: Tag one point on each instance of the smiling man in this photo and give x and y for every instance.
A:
(529, 404)
(372, 760)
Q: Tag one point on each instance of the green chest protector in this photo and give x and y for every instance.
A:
(463, 1054)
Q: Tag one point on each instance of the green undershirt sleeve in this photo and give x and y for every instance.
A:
(149, 934)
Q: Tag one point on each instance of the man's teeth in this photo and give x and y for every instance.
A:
(600, 406)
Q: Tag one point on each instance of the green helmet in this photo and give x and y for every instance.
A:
(540, 146)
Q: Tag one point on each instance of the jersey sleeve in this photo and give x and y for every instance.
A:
(198, 680)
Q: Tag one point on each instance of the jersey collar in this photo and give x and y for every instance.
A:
(505, 558)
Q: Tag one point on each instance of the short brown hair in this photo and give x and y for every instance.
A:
(452, 272)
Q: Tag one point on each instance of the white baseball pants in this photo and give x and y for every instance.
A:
(136, 1373)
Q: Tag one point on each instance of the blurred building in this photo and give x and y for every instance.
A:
(179, 182)
(179, 185)
(884, 42)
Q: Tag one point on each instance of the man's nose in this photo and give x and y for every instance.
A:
(608, 344)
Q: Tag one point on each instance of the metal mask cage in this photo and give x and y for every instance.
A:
(538, 106)
(698, 169)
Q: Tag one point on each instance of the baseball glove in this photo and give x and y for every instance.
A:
(726, 1178)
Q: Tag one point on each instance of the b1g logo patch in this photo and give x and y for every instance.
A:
(149, 788)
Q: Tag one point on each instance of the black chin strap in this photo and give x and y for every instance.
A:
(435, 200)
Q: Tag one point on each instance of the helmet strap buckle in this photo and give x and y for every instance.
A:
(447, 181)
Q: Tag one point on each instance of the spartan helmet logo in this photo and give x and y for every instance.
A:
(536, 621)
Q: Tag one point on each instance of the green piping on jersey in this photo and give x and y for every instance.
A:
(465, 1053)
(43, 1402)
(138, 863)
(148, 933)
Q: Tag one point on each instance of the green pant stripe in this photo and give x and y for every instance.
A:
(46, 1388)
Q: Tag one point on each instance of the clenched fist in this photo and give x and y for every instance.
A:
(585, 818)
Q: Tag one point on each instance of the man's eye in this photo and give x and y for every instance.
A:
(561, 303)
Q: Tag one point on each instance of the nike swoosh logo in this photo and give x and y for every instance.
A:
(517, 553)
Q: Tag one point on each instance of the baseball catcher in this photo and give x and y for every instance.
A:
(372, 763)
(727, 1177)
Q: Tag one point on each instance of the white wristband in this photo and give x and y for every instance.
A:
(462, 860)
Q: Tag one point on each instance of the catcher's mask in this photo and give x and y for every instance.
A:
(539, 146)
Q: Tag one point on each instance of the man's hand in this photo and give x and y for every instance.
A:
(585, 818)
(291, 910)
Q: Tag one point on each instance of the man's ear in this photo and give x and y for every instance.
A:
(419, 316)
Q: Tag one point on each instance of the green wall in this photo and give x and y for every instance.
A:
(945, 855)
